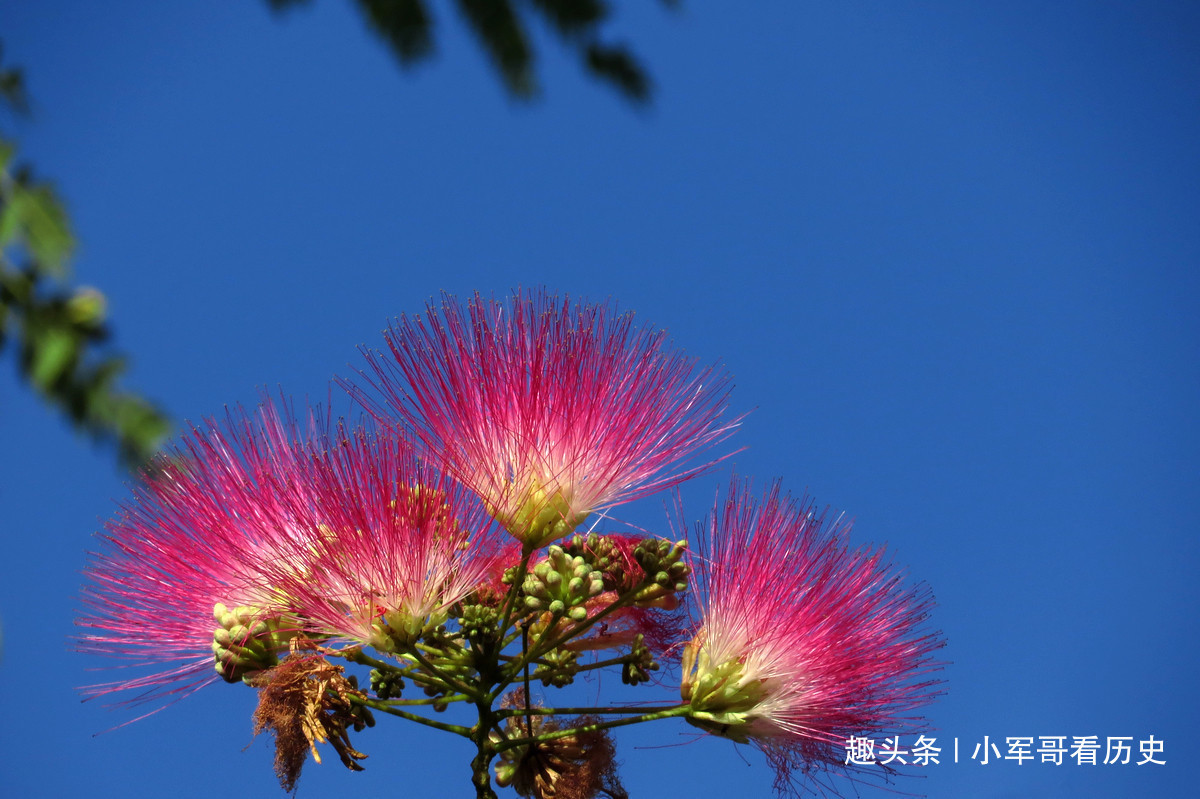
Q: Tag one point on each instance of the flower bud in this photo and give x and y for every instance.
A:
(244, 643)
(561, 584)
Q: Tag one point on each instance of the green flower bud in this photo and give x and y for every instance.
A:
(561, 582)
(246, 642)
(640, 663)
(478, 622)
(558, 669)
(602, 555)
(386, 684)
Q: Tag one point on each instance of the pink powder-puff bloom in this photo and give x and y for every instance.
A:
(395, 544)
(202, 545)
(803, 642)
(549, 411)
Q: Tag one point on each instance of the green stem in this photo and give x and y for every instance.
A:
(449, 681)
(357, 655)
(600, 664)
(501, 679)
(480, 773)
(436, 700)
(525, 647)
(579, 628)
(409, 670)
(674, 712)
(572, 671)
(415, 671)
(515, 589)
(584, 711)
(457, 642)
(485, 751)
(383, 707)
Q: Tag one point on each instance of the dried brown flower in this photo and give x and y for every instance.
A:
(577, 766)
(304, 701)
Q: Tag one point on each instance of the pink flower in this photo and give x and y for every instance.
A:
(250, 534)
(205, 533)
(803, 642)
(394, 544)
(549, 411)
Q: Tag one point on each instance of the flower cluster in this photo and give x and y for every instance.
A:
(439, 545)
(253, 532)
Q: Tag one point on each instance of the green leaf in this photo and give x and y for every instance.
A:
(32, 215)
(47, 231)
(56, 329)
(10, 219)
(53, 353)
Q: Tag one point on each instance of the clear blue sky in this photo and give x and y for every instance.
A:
(948, 250)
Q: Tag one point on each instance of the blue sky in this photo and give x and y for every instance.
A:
(948, 251)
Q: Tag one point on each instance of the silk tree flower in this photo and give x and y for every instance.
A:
(204, 544)
(803, 642)
(549, 411)
(394, 542)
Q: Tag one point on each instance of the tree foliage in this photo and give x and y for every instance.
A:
(59, 330)
(502, 27)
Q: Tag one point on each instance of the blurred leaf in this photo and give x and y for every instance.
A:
(407, 27)
(403, 24)
(58, 328)
(53, 354)
(16, 288)
(31, 215)
(572, 16)
(12, 87)
(142, 427)
(620, 67)
(497, 28)
(47, 232)
(10, 216)
(54, 358)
